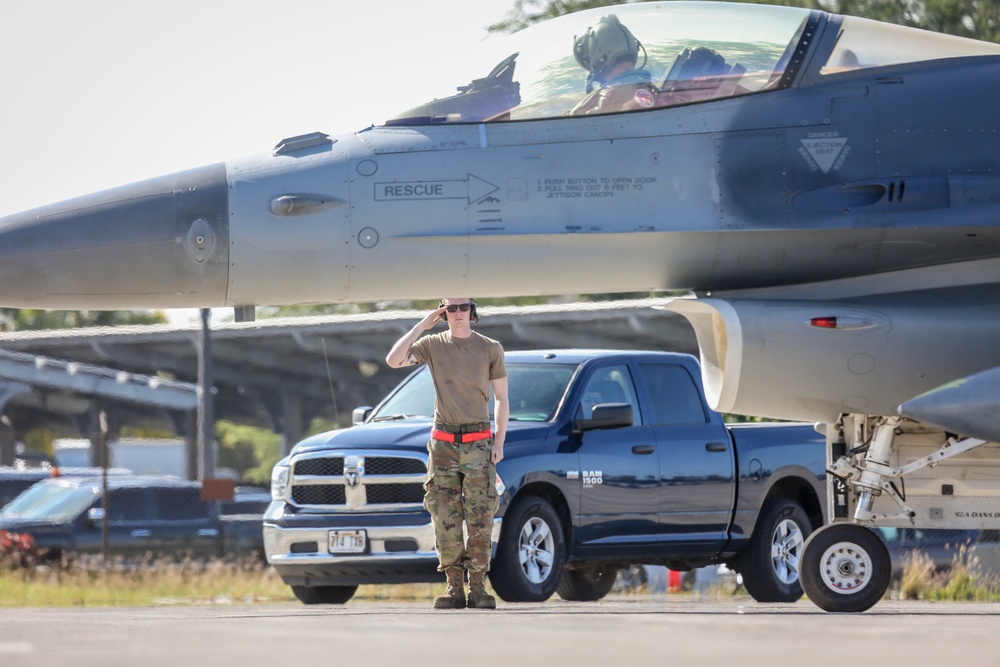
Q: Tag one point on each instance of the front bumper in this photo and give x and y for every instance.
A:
(394, 555)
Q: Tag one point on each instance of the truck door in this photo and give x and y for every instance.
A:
(185, 524)
(696, 462)
(619, 474)
(129, 517)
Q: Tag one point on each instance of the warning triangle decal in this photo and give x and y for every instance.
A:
(825, 151)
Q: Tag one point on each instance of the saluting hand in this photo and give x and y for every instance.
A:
(433, 318)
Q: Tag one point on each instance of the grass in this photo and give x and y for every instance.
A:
(217, 582)
(190, 583)
(963, 581)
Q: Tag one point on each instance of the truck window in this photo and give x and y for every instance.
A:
(126, 505)
(535, 390)
(179, 504)
(611, 384)
(674, 394)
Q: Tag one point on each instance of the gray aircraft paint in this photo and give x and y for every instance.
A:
(866, 194)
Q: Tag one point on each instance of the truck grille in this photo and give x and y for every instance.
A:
(327, 494)
(358, 482)
(324, 466)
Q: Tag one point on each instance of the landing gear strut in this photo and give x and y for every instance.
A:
(845, 565)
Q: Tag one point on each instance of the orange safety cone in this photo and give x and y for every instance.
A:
(674, 583)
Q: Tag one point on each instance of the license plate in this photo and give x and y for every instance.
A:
(348, 541)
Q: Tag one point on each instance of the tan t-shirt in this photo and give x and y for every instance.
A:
(461, 369)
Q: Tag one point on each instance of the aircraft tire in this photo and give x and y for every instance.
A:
(324, 594)
(587, 584)
(845, 568)
(530, 554)
(769, 566)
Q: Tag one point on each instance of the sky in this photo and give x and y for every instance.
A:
(101, 93)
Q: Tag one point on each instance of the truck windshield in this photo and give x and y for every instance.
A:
(52, 501)
(34, 496)
(534, 390)
(681, 52)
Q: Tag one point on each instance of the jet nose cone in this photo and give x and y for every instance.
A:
(161, 243)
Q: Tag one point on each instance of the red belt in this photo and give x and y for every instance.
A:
(460, 438)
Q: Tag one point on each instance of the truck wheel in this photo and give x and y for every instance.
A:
(324, 594)
(770, 564)
(530, 554)
(587, 585)
(845, 567)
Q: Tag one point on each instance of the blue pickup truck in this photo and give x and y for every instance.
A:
(146, 517)
(612, 458)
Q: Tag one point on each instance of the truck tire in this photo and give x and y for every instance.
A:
(771, 561)
(531, 552)
(845, 568)
(587, 585)
(324, 594)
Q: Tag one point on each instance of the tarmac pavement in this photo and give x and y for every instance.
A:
(619, 630)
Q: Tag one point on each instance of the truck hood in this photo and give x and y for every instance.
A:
(45, 533)
(18, 525)
(405, 435)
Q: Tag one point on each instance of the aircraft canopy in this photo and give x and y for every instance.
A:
(684, 52)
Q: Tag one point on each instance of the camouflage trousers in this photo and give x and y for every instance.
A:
(461, 486)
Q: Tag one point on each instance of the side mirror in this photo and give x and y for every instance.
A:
(361, 414)
(608, 415)
(95, 516)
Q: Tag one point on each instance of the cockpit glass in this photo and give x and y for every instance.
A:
(863, 44)
(630, 57)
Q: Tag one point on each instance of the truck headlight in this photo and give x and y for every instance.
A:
(279, 481)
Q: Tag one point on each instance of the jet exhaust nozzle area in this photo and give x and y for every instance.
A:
(160, 243)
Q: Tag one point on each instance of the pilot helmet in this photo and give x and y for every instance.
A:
(605, 45)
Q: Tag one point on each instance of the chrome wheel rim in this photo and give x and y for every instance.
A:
(846, 568)
(786, 549)
(536, 550)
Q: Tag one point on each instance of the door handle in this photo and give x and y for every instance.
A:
(643, 449)
(141, 532)
(716, 447)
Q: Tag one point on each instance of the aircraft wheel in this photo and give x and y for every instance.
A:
(845, 568)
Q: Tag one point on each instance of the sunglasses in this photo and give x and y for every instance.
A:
(455, 307)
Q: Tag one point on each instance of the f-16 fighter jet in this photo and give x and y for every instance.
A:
(827, 186)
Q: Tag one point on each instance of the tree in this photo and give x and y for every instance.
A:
(28, 319)
(978, 19)
(252, 452)
(528, 12)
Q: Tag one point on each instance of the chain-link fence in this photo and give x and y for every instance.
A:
(137, 517)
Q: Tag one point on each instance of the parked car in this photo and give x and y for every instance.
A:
(145, 516)
(252, 500)
(15, 480)
(645, 473)
(943, 548)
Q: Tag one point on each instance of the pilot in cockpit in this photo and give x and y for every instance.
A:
(609, 52)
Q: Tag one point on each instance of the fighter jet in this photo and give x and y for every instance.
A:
(827, 186)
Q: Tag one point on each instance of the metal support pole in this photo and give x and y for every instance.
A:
(8, 390)
(206, 400)
(102, 443)
(875, 468)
